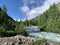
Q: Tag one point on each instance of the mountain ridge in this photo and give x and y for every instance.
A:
(49, 21)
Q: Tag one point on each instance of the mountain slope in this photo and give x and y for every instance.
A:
(6, 24)
(5, 20)
(49, 20)
(9, 27)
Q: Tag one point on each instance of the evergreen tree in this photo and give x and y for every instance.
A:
(50, 20)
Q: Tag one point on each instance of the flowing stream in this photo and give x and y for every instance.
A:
(35, 32)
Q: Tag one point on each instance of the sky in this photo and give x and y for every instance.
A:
(20, 9)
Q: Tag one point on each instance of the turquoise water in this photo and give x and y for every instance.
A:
(35, 32)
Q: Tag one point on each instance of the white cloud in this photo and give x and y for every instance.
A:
(25, 9)
(17, 19)
(39, 10)
(32, 1)
(29, 1)
(14, 19)
(24, 19)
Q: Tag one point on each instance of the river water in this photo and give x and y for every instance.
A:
(35, 32)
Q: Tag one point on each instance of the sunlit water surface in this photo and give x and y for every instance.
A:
(35, 32)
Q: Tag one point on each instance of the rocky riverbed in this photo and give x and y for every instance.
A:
(22, 40)
(17, 40)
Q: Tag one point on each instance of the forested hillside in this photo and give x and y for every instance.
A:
(8, 26)
(49, 21)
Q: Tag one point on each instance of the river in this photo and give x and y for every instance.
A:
(35, 32)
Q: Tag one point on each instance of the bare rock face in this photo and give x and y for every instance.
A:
(17, 40)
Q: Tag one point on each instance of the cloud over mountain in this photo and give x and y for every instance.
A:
(33, 8)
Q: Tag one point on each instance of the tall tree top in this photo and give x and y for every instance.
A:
(4, 8)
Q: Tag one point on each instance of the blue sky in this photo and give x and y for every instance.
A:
(19, 9)
(13, 8)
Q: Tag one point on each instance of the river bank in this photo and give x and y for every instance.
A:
(17, 40)
(22, 40)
